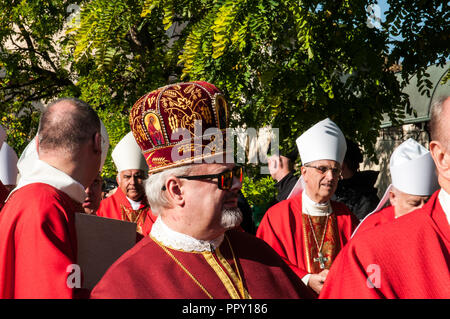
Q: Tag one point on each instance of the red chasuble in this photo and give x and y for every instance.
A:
(381, 217)
(406, 258)
(243, 266)
(288, 231)
(3, 194)
(118, 207)
(37, 243)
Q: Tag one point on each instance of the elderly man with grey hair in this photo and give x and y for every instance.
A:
(407, 258)
(194, 250)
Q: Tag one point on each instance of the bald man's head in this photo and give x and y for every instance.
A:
(67, 124)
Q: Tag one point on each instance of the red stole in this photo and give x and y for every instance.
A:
(313, 239)
(282, 227)
(118, 207)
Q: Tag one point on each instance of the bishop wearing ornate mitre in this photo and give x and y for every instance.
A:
(195, 249)
(129, 202)
(309, 229)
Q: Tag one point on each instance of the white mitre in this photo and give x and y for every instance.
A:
(127, 155)
(8, 167)
(413, 170)
(323, 141)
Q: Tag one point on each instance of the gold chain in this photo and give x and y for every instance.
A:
(241, 284)
(319, 248)
(185, 270)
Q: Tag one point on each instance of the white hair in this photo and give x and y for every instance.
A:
(156, 196)
(231, 217)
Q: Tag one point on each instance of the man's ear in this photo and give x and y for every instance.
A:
(441, 159)
(392, 198)
(98, 142)
(303, 170)
(174, 191)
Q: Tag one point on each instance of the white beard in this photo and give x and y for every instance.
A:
(231, 217)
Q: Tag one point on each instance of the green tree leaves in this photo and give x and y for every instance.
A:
(283, 63)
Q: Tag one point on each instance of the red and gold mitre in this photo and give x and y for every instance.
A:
(180, 124)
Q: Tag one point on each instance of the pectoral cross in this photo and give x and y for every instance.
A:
(322, 260)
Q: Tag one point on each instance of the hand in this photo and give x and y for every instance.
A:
(274, 165)
(316, 281)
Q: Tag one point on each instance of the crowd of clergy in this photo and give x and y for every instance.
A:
(182, 196)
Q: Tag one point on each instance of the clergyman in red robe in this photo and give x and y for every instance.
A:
(408, 191)
(38, 244)
(194, 249)
(129, 202)
(308, 230)
(410, 256)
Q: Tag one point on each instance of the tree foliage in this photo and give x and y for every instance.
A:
(32, 69)
(284, 63)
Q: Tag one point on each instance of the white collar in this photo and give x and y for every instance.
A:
(444, 199)
(173, 239)
(310, 207)
(41, 172)
(135, 205)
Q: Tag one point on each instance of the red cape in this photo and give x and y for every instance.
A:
(37, 243)
(406, 258)
(110, 207)
(381, 217)
(147, 271)
(281, 227)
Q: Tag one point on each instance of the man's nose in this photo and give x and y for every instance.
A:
(329, 174)
(237, 184)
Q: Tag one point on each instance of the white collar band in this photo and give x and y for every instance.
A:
(173, 239)
(310, 207)
(41, 172)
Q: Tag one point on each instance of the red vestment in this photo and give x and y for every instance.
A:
(118, 207)
(406, 258)
(148, 271)
(3, 194)
(37, 243)
(282, 227)
(381, 217)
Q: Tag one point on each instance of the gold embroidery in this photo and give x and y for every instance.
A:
(221, 274)
(184, 268)
(331, 244)
(134, 216)
(238, 281)
(159, 160)
(224, 278)
(227, 282)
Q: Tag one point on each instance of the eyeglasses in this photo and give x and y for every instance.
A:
(324, 169)
(224, 179)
